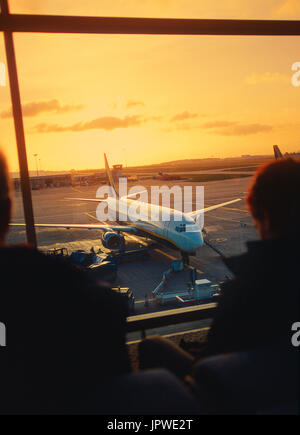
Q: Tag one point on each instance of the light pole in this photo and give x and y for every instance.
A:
(36, 162)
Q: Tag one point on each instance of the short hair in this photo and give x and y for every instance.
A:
(5, 184)
(275, 194)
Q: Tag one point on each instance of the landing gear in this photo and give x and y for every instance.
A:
(185, 258)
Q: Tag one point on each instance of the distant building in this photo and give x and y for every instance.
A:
(87, 179)
(117, 172)
(44, 181)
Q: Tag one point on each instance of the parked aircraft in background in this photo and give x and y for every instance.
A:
(167, 177)
(278, 154)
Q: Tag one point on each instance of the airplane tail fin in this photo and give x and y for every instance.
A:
(277, 152)
(110, 176)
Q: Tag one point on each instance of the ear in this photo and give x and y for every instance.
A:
(263, 227)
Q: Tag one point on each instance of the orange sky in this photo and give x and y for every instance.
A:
(148, 99)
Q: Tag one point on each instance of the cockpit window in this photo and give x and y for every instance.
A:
(181, 228)
(192, 227)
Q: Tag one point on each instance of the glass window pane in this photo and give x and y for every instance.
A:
(181, 111)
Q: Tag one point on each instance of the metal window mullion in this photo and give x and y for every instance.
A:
(147, 26)
(19, 130)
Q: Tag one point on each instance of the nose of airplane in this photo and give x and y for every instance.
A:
(195, 239)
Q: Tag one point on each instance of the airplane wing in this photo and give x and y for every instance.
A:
(86, 199)
(130, 195)
(122, 228)
(195, 213)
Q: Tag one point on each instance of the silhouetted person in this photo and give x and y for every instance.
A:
(258, 307)
(65, 333)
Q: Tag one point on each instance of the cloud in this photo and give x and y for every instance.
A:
(218, 124)
(267, 77)
(35, 108)
(103, 123)
(113, 106)
(182, 116)
(245, 130)
(231, 128)
(288, 9)
(154, 118)
(186, 126)
(132, 103)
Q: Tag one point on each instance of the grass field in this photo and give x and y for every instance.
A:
(241, 164)
(246, 169)
(214, 177)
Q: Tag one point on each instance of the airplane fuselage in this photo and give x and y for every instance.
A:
(159, 223)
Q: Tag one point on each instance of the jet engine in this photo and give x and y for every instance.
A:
(113, 240)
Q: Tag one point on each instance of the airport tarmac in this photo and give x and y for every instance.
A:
(227, 229)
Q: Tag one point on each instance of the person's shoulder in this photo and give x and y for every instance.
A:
(231, 286)
(29, 262)
(17, 254)
(19, 249)
(22, 250)
(27, 253)
(31, 265)
(236, 292)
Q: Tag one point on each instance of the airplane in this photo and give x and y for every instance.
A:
(182, 231)
(168, 177)
(278, 154)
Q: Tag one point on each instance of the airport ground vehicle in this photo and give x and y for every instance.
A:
(102, 265)
(106, 270)
(58, 251)
(202, 292)
(199, 290)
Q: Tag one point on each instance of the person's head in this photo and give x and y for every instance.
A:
(274, 198)
(5, 199)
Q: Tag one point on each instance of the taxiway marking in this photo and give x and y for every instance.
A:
(235, 209)
(167, 255)
(77, 190)
(226, 219)
(93, 217)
